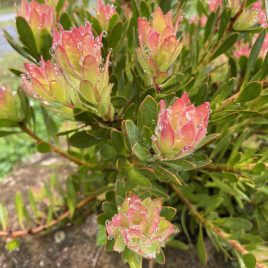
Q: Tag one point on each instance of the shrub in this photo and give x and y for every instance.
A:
(169, 124)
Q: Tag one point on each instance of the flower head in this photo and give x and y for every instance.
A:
(159, 46)
(10, 106)
(262, 19)
(180, 127)
(139, 226)
(104, 14)
(79, 56)
(39, 17)
(47, 83)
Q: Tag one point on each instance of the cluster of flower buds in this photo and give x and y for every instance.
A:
(180, 127)
(39, 16)
(104, 14)
(10, 106)
(159, 46)
(78, 73)
(139, 227)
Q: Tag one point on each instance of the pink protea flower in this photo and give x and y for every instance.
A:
(258, 6)
(180, 127)
(39, 16)
(10, 106)
(47, 83)
(104, 14)
(159, 46)
(214, 4)
(78, 53)
(139, 226)
(242, 49)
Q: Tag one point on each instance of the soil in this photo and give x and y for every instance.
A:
(74, 246)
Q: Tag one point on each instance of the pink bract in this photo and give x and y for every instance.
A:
(180, 127)
(104, 14)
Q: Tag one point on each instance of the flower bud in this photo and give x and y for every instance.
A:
(214, 5)
(139, 226)
(10, 106)
(250, 17)
(180, 127)
(159, 46)
(48, 84)
(39, 17)
(235, 6)
(104, 14)
(78, 54)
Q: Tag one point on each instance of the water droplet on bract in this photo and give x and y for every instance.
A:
(104, 34)
(153, 122)
(107, 222)
(110, 50)
(52, 51)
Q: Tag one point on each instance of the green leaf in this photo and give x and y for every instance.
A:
(225, 18)
(7, 133)
(131, 133)
(168, 212)
(138, 178)
(250, 92)
(109, 209)
(101, 235)
(19, 204)
(165, 5)
(141, 152)
(119, 101)
(17, 47)
(147, 114)
(65, 22)
(82, 140)
(165, 175)
(43, 147)
(71, 197)
(118, 141)
(201, 249)
(180, 164)
(113, 21)
(227, 44)
(178, 244)
(46, 44)
(96, 25)
(3, 217)
(115, 35)
(26, 36)
(145, 9)
(12, 245)
(160, 258)
(210, 25)
(250, 260)
(60, 5)
(234, 223)
(32, 203)
(253, 57)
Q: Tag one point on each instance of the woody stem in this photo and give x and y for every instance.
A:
(53, 148)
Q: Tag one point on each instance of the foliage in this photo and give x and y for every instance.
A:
(169, 123)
